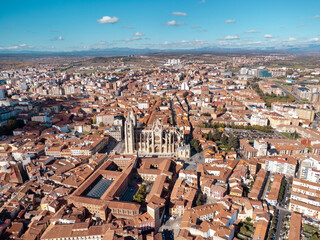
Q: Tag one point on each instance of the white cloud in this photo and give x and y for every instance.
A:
(128, 27)
(179, 14)
(230, 21)
(174, 23)
(133, 39)
(222, 43)
(183, 44)
(316, 16)
(234, 37)
(268, 36)
(254, 43)
(125, 40)
(252, 31)
(17, 47)
(107, 19)
(291, 39)
(60, 38)
(139, 34)
(313, 39)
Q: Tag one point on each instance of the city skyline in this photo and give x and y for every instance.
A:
(86, 25)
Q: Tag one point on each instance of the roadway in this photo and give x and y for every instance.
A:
(297, 98)
(282, 213)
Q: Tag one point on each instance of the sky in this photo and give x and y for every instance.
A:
(73, 25)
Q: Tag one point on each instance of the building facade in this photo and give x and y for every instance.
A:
(155, 140)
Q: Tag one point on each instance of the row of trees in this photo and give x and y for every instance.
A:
(273, 226)
(282, 190)
(266, 129)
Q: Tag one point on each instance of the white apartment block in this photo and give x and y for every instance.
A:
(310, 170)
(305, 198)
(280, 166)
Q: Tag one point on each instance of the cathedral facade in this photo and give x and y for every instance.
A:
(155, 140)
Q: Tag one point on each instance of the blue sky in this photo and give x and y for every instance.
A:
(47, 25)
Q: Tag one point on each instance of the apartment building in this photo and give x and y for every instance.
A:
(259, 185)
(305, 198)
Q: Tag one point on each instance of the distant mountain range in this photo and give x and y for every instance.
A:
(310, 49)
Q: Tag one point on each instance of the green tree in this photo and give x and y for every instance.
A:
(34, 124)
(10, 126)
(11, 123)
(101, 124)
(224, 139)
(233, 141)
(210, 137)
(195, 145)
(314, 236)
(243, 230)
(94, 119)
(140, 196)
(282, 190)
(199, 199)
(272, 232)
(295, 135)
(216, 136)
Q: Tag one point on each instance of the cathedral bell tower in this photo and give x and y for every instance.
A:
(129, 133)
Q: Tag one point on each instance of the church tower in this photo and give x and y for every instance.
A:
(129, 133)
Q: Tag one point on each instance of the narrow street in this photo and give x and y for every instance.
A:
(266, 188)
(282, 213)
